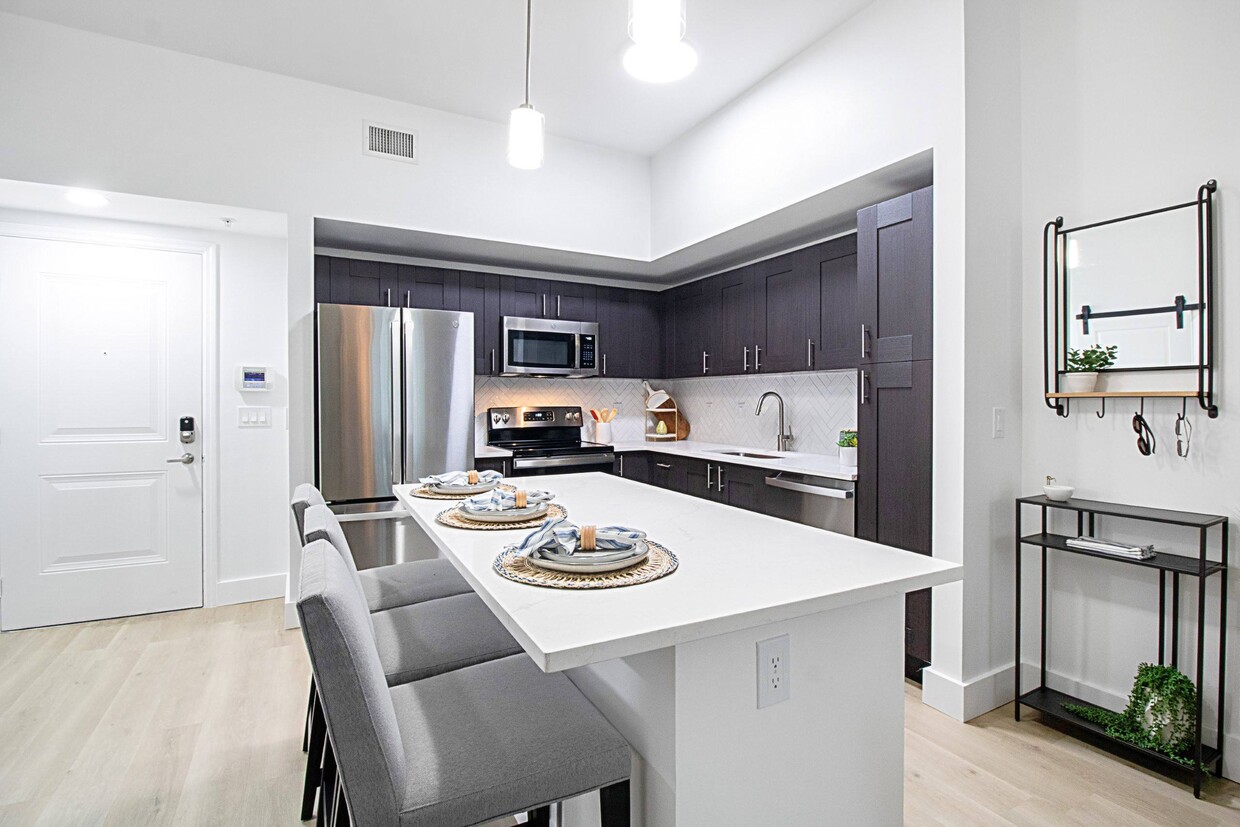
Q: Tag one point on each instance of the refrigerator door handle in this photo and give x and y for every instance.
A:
(397, 419)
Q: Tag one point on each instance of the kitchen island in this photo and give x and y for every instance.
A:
(673, 663)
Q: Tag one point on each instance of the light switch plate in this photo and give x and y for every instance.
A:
(999, 423)
(774, 671)
(251, 416)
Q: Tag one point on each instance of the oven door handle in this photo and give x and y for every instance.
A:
(562, 462)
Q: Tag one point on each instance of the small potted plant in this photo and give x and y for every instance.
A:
(848, 448)
(1083, 367)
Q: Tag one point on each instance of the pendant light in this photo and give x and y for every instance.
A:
(525, 123)
(659, 53)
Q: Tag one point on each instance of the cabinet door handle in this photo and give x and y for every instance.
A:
(705, 369)
(757, 359)
(865, 387)
(557, 306)
(709, 483)
(809, 353)
(865, 338)
(662, 465)
(544, 295)
(745, 367)
(389, 297)
(492, 361)
(604, 364)
(408, 298)
(719, 478)
(622, 465)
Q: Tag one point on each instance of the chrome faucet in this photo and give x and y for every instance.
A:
(783, 438)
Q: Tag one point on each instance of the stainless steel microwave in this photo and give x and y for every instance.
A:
(549, 347)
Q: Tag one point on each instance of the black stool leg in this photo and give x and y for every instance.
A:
(305, 735)
(614, 801)
(314, 761)
(327, 787)
(540, 817)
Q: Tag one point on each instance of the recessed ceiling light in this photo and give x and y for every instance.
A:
(661, 63)
(87, 198)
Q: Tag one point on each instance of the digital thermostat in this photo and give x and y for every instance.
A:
(251, 378)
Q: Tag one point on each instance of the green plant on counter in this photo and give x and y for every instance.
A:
(1093, 358)
(848, 439)
(1159, 715)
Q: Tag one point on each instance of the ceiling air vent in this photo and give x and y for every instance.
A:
(387, 142)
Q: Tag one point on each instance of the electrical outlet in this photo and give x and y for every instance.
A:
(999, 417)
(774, 671)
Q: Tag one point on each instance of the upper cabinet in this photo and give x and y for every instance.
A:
(834, 263)
(575, 302)
(430, 288)
(480, 295)
(737, 344)
(545, 299)
(895, 279)
(694, 310)
(789, 289)
(628, 333)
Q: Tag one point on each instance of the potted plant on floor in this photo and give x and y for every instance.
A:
(848, 448)
(1083, 367)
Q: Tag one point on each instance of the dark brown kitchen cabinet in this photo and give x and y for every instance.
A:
(500, 464)
(428, 288)
(788, 290)
(695, 325)
(668, 472)
(738, 322)
(628, 333)
(480, 295)
(575, 302)
(835, 262)
(356, 281)
(525, 297)
(633, 466)
(894, 478)
(895, 279)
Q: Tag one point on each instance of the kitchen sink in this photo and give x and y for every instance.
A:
(749, 454)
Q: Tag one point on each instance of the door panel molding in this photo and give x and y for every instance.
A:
(209, 430)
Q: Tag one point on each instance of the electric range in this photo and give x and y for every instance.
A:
(546, 439)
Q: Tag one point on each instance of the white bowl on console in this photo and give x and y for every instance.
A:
(1058, 493)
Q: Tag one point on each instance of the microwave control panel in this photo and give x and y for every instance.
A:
(587, 351)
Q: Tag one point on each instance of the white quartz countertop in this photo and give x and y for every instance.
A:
(818, 465)
(737, 570)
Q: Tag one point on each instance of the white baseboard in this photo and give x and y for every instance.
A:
(290, 614)
(249, 589)
(966, 701)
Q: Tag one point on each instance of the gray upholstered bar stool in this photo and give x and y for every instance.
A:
(396, 585)
(415, 641)
(460, 748)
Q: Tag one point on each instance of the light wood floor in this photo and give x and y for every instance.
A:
(195, 718)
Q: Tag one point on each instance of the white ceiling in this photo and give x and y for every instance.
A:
(466, 56)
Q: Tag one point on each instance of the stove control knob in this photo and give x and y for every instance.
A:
(505, 418)
(495, 418)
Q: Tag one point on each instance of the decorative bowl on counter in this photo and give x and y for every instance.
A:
(1058, 493)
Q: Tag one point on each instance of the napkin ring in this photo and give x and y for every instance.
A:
(521, 498)
(473, 477)
(589, 537)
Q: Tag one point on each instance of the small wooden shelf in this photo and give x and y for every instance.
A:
(1050, 703)
(1124, 395)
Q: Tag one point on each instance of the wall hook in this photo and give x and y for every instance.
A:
(1102, 413)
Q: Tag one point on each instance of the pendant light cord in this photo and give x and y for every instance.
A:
(529, 13)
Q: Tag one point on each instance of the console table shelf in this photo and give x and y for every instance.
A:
(1050, 702)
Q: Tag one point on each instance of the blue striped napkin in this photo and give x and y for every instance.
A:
(499, 499)
(565, 535)
(461, 478)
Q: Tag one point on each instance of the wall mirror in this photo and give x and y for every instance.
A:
(1133, 284)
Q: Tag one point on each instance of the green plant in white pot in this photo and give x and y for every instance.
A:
(1083, 367)
(848, 448)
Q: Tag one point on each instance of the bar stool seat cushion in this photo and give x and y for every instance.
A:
(417, 581)
(487, 741)
(427, 639)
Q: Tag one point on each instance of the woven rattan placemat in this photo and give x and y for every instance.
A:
(659, 563)
(453, 517)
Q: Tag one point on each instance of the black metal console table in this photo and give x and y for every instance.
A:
(1049, 702)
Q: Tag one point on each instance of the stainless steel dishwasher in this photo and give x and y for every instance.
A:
(383, 533)
(820, 502)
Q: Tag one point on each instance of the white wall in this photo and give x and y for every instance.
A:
(251, 465)
(1127, 106)
(84, 109)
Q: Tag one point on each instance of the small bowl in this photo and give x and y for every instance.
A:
(1058, 493)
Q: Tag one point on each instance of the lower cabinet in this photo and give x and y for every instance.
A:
(635, 466)
(499, 464)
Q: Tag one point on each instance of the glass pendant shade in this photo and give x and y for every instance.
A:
(660, 63)
(654, 22)
(525, 137)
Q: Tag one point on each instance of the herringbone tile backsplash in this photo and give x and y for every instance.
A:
(719, 408)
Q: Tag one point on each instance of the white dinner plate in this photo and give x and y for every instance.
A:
(480, 488)
(512, 515)
(600, 568)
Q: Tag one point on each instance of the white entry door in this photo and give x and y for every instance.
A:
(101, 354)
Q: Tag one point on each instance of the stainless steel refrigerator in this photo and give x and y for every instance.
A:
(395, 403)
